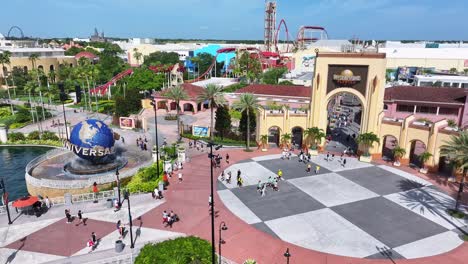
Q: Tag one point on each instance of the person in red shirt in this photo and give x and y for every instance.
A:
(95, 191)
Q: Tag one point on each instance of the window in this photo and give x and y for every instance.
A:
(446, 84)
(426, 109)
(425, 84)
(448, 111)
(405, 108)
(455, 85)
(385, 107)
(464, 85)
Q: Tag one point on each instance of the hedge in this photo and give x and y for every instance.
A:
(145, 179)
(16, 136)
(183, 250)
(34, 142)
(224, 141)
(34, 135)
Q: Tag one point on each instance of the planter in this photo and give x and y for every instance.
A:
(313, 152)
(367, 159)
(423, 170)
(396, 164)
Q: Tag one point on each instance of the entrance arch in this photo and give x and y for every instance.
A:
(274, 133)
(417, 148)
(297, 134)
(173, 106)
(187, 107)
(389, 143)
(344, 118)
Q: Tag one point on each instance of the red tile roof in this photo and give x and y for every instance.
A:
(426, 94)
(277, 90)
(85, 54)
(192, 91)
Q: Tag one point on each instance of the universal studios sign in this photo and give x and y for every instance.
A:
(91, 152)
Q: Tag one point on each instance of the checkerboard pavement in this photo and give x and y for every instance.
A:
(357, 210)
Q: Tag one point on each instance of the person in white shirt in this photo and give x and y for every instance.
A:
(180, 177)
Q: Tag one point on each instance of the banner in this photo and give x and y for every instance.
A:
(127, 123)
(200, 131)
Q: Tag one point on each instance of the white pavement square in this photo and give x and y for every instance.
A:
(237, 207)
(12, 233)
(251, 173)
(326, 231)
(145, 235)
(332, 189)
(269, 157)
(335, 165)
(430, 204)
(12, 256)
(137, 210)
(406, 175)
(430, 246)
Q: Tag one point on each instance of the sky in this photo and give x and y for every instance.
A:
(237, 19)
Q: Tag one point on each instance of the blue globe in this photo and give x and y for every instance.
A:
(92, 140)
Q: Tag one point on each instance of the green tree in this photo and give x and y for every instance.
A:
(161, 58)
(286, 83)
(110, 64)
(214, 95)
(247, 102)
(177, 94)
(144, 79)
(138, 55)
(5, 59)
(272, 75)
(367, 139)
(128, 105)
(456, 150)
(223, 120)
(248, 67)
(204, 61)
(453, 70)
(33, 58)
(73, 51)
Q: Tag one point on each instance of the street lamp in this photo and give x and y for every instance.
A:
(287, 255)
(127, 197)
(5, 199)
(118, 186)
(156, 134)
(222, 227)
(210, 156)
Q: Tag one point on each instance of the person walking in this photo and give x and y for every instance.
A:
(93, 237)
(280, 174)
(120, 228)
(228, 180)
(317, 169)
(238, 173)
(47, 202)
(263, 190)
(80, 218)
(123, 140)
(227, 158)
(259, 186)
(164, 215)
(328, 156)
(308, 168)
(95, 192)
(180, 177)
(68, 216)
(344, 162)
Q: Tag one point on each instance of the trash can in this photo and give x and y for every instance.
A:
(68, 199)
(109, 203)
(119, 246)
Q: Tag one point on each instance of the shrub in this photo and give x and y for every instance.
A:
(170, 117)
(47, 135)
(146, 179)
(16, 136)
(35, 135)
(187, 250)
(250, 261)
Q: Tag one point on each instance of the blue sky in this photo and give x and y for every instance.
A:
(237, 19)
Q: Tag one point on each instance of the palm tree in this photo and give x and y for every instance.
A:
(314, 136)
(367, 139)
(5, 59)
(398, 153)
(33, 58)
(137, 55)
(247, 102)
(456, 150)
(285, 139)
(214, 95)
(177, 94)
(264, 140)
(425, 156)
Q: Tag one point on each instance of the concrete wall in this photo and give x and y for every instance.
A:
(45, 62)
(439, 64)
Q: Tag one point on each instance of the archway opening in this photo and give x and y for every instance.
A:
(274, 135)
(445, 167)
(389, 143)
(173, 106)
(344, 111)
(162, 105)
(417, 148)
(297, 133)
(188, 107)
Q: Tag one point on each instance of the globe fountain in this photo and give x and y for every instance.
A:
(92, 154)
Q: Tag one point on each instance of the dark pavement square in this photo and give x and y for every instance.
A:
(61, 238)
(388, 222)
(289, 200)
(379, 180)
(291, 168)
(385, 253)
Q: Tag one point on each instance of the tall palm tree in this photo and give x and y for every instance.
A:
(456, 150)
(367, 139)
(177, 94)
(314, 136)
(214, 95)
(33, 58)
(5, 59)
(137, 55)
(247, 102)
(264, 140)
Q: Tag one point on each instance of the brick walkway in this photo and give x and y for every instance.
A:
(190, 200)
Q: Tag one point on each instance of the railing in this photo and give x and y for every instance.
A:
(127, 258)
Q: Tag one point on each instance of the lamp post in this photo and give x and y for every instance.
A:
(210, 156)
(5, 198)
(127, 197)
(287, 255)
(156, 134)
(118, 186)
(222, 227)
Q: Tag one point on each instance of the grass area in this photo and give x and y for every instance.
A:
(34, 142)
(456, 214)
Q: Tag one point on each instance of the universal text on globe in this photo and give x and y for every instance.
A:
(91, 152)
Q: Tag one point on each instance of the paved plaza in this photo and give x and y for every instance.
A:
(357, 210)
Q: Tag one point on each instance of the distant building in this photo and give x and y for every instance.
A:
(96, 37)
(441, 80)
